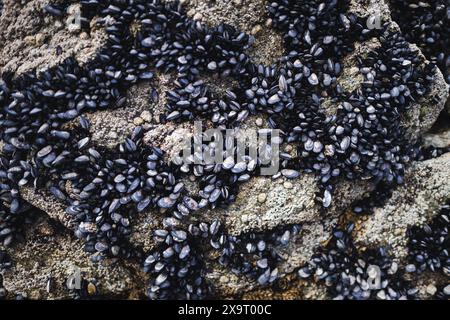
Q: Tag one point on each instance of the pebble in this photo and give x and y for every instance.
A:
(288, 148)
(113, 135)
(431, 289)
(256, 29)
(138, 121)
(58, 24)
(30, 40)
(198, 16)
(288, 185)
(262, 197)
(40, 39)
(259, 122)
(73, 27)
(84, 36)
(146, 116)
(92, 290)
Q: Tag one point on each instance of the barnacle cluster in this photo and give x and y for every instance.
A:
(104, 190)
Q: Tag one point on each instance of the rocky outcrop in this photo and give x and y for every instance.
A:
(50, 251)
(34, 40)
(50, 258)
(427, 188)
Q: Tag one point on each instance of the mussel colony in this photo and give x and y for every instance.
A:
(104, 190)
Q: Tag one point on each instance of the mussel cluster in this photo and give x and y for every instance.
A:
(350, 274)
(47, 142)
(429, 245)
(427, 24)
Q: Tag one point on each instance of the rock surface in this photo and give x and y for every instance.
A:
(49, 250)
(438, 140)
(30, 38)
(427, 187)
(50, 256)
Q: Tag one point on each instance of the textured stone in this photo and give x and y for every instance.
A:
(427, 187)
(29, 39)
(50, 252)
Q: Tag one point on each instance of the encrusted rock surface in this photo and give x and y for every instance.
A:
(438, 139)
(248, 16)
(50, 256)
(30, 39)
(427, 187)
